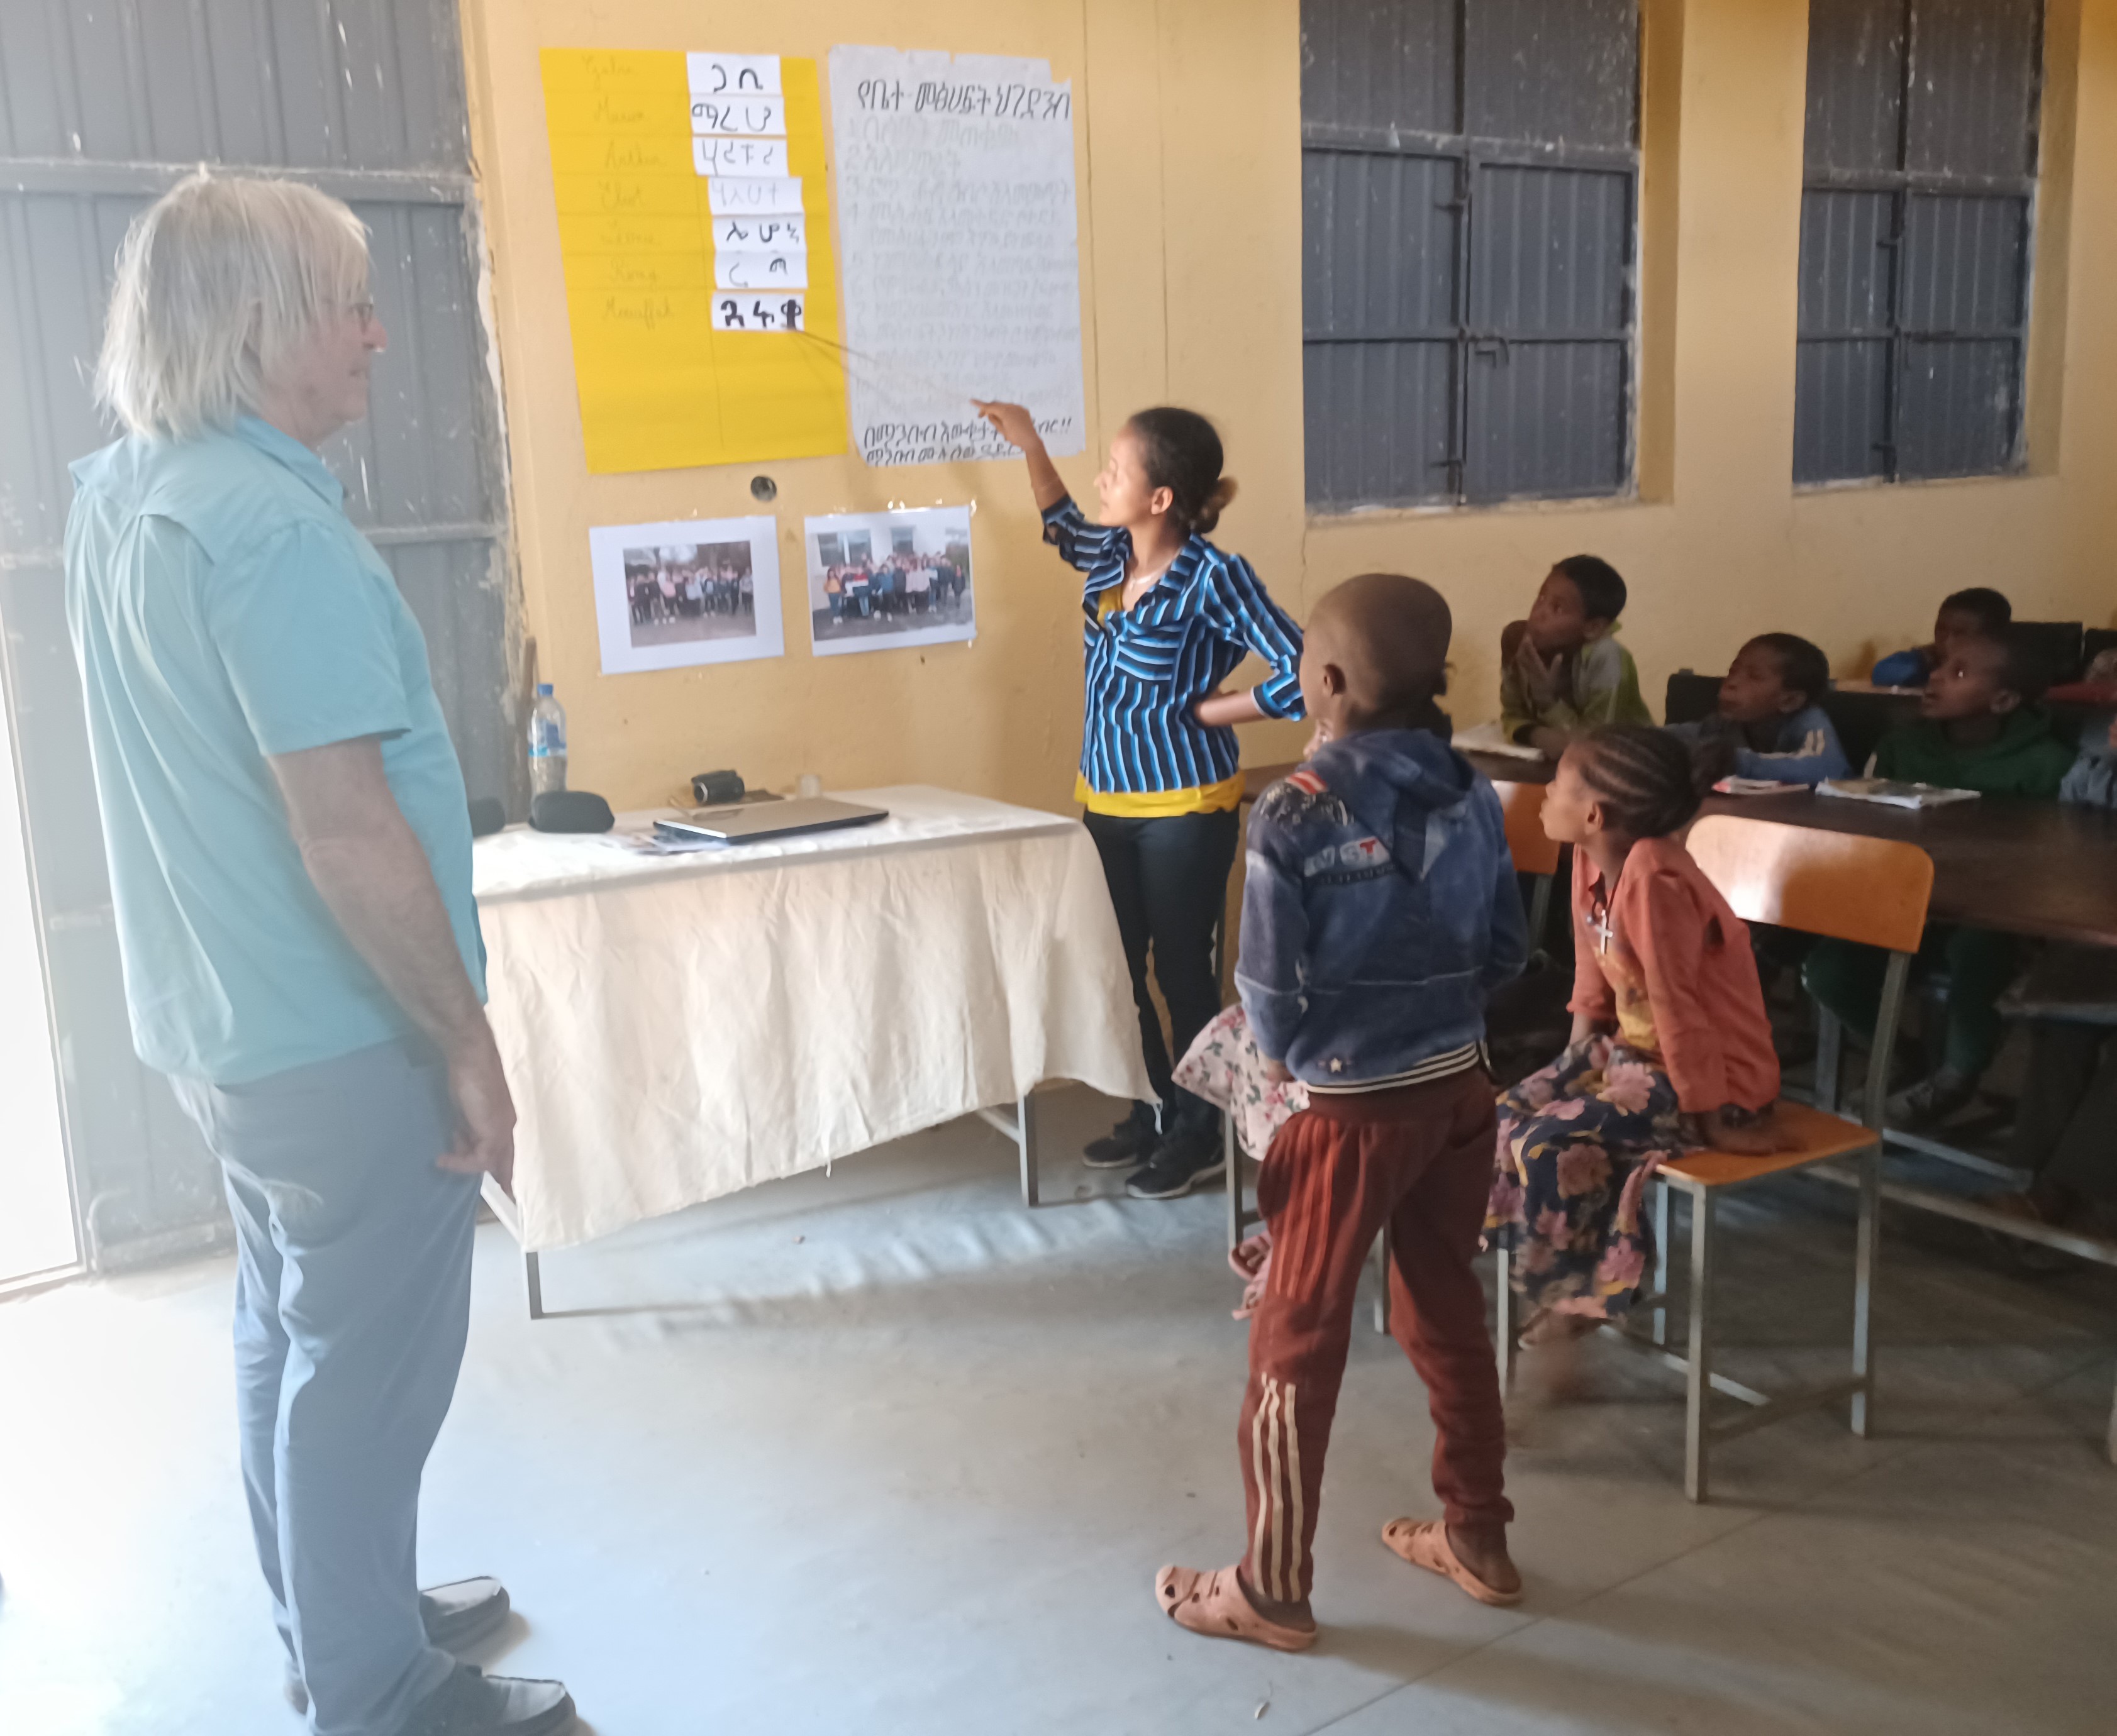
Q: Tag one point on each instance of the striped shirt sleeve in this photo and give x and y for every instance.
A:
(1079, 543)
(1243, 612)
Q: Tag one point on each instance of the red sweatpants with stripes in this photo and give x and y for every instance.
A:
(1419, 1159)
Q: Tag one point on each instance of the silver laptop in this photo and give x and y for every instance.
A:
(748, 825)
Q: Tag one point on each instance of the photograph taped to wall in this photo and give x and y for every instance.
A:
(959, 227)
(692, 591)
(884, 580)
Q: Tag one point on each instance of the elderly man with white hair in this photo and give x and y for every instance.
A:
(290, 861)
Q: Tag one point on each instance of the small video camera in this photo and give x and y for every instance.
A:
(716, 789)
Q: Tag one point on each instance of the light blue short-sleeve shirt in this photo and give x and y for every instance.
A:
(224, 609)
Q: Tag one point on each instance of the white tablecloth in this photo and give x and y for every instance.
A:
(679, 1027)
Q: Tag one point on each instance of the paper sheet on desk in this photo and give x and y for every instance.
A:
(1488, 738)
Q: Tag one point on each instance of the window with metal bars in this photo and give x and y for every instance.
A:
(1917, 210)
(1469, 200)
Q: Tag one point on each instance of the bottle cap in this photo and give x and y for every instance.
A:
(543, 690)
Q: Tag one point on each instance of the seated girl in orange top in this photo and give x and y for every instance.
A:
(1671, 1047)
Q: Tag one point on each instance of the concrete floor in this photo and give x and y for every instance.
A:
(880, 1452)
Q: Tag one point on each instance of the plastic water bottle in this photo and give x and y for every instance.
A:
(547, 742)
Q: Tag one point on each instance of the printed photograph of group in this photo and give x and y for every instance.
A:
(884, 580)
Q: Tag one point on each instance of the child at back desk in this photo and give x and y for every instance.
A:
(1562, 670)
(1979, 613)
(1670, 1046)
(1980, 728)
(1769, 724)
(1379, 910)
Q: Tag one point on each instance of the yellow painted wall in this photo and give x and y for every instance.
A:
(1188, 168)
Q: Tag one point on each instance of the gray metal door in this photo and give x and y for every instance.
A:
(102, 107)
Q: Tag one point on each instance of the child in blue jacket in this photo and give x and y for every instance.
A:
(1769, 721)
(1379, 910)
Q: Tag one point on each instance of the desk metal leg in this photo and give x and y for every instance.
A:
(2113, 1428)
(1829, 1051)
(1382, 1257)
(1020, 1128)
(1503, 1310)
(1863, 1290)
(510, 1220)
(1231, 1153)
(1661, 1262)
(1699, 1383)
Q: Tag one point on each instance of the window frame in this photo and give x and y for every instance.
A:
(1469, 343)
(1902, 186)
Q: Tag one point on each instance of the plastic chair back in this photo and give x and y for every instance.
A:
(1873, 890)
(1522, 805)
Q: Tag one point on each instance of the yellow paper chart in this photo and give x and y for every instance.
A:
(661, 389)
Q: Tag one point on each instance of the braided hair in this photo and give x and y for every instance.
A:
(1650, 782)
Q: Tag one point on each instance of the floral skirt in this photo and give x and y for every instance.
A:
(1578, 1143)
(1223, 1066)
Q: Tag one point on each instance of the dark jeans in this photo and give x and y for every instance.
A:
(1169, 881)
(1847, 980)
(2069, 1107)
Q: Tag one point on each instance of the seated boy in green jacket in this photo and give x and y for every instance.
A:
(1981, 728)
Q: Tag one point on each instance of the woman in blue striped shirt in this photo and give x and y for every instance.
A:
(1167, 618)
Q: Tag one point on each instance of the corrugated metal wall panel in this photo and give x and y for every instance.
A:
(1378, 251)
(1375, 65)
(1376, 421)
(1393, 414)
(1905, 97)
(1554, 71)
(1974, 76)
(1845, 261)
(1550, 251)
(1841, 410)
(1959, 408)
(368, 94)
(1856, 84)
(1546, 421)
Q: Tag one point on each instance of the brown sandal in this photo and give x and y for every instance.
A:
(1215, 1605)
(1424, 1543)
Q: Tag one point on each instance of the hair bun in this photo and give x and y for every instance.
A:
(1215, 504)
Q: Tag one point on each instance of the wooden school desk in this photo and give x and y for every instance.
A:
(678, 1028)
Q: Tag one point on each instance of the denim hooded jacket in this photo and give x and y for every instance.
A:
(1379, 910)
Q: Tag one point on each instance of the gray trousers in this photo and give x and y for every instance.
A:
(352, 1304)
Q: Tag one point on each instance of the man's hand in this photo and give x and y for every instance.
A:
(1011, 423)
(484, 1143)
(1549, 740)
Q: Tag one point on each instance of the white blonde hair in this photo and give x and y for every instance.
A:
(217, 281)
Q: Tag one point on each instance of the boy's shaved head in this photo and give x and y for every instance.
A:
(1390, 635)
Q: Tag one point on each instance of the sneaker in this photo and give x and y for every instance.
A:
(1185, 1158)
(471, 1703)
(455, 1615)
(1125, 1146)
(1930, 1102)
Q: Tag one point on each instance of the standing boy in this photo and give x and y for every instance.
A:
(1379, 910)
(1980, 728)
(1768, 720)
(1562, 670)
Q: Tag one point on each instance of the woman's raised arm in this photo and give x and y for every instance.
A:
(1014, 425)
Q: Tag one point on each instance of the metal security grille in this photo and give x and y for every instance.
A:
(1917, 217)
(101, 107)
(1470, 176)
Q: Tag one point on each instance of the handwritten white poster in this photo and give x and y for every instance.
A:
(961, 259)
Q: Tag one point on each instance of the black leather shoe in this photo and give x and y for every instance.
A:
(463, 1612)
(471, 1703)
(1187, 1158)
(1125, 1146)
(455, 1615)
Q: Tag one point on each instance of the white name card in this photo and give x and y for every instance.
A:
(748, 117)
(760, 313)
(746, 196)
(761, 270)
(733, 75)
(741, 156)
(747, 234)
